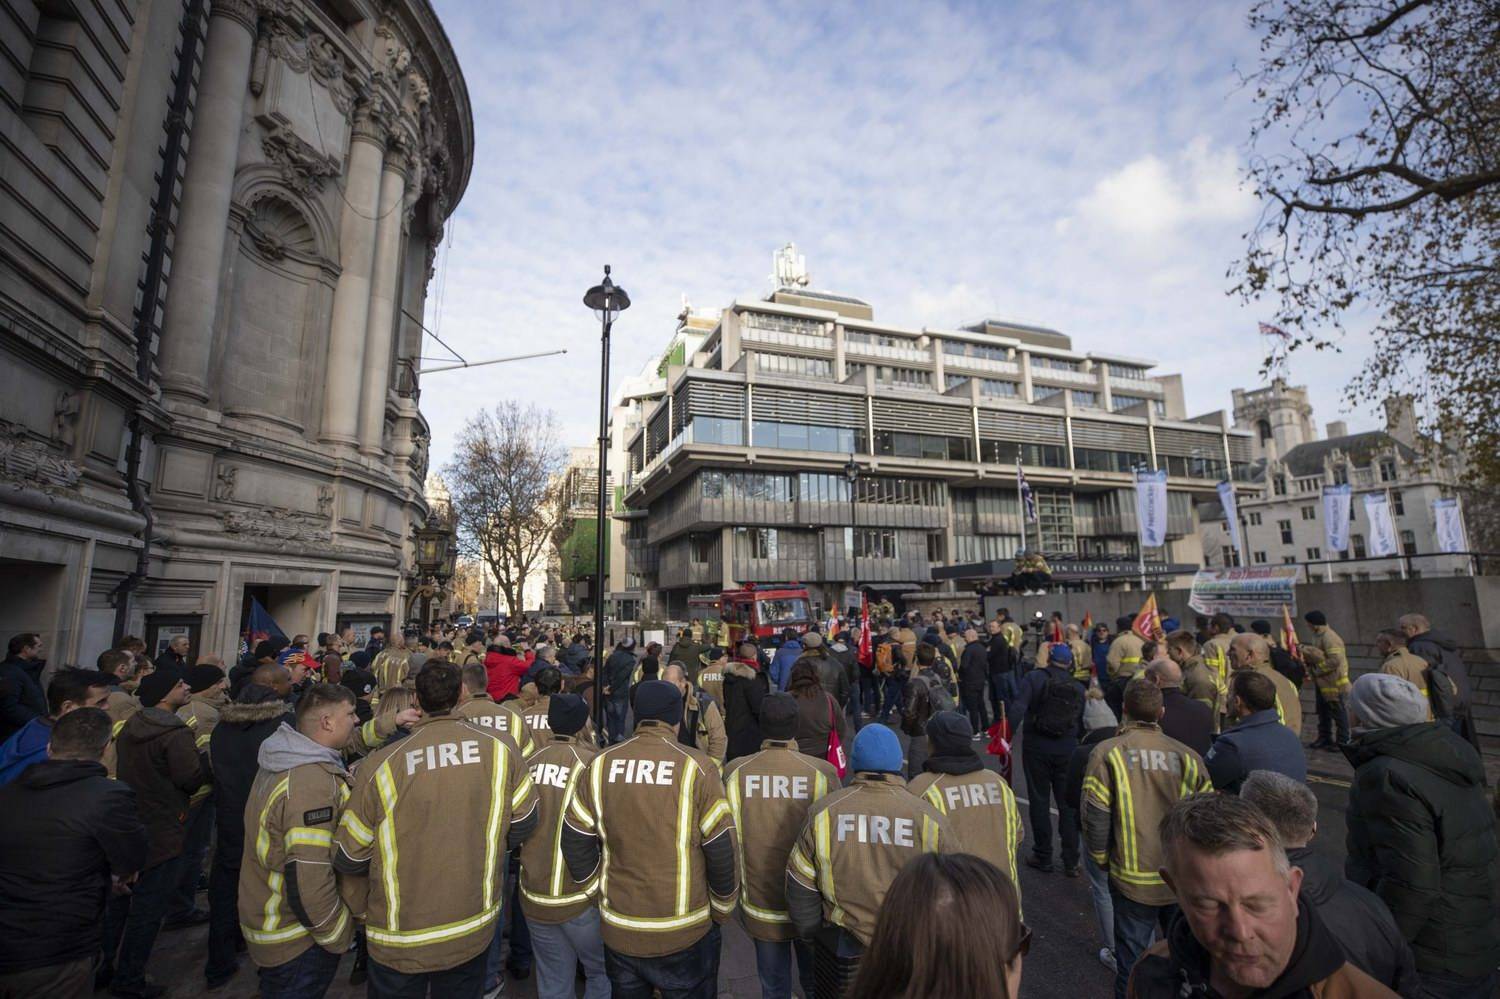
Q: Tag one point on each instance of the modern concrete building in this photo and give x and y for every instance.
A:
(734, 473)
(1281, 508)
(220, 219)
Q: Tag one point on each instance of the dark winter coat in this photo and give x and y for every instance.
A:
(1421, 835)
(232, 749)
(619, 668)
(574, 656)
(830, 672)
(1360, 921)
(1259, 742)
(159, 759)
(998, 655)
(1078, 765)
(973, 669)
(170, 663)
(67, 828)
(813, 717)
(1188, 721)
(240, 672)
(1439, 649)
(21, 697)
(745, 687)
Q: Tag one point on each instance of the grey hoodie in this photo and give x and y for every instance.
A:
(286, 749)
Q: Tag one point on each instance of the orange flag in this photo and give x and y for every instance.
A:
(1147, 623)
(1289, 635)
(1088, 622)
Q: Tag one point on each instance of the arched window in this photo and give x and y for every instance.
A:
(1263, 428)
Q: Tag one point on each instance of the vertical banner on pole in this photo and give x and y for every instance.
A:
(1151, 507)
(1449, 524)
(1382, 526)
(1232, 514)
(1336, 500)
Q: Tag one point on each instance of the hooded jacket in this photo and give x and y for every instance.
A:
(1439, 649)
(782, 662)
(1179, 967)
(1421, 836)
(618, 669)
(68, 828)
(233, 750)
(1359, 920)
(745, 687)
(505, 670)
(27, 746)
(158, 759)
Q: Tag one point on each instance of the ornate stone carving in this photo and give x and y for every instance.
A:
(303, 167)
(276, 227)
(277, 527)
(65, 417)
(28, 462)
(325, 502)
(224, 486)
(372, 118)
(416, 85)
(327, 62)
(246, 12)
(289, 46)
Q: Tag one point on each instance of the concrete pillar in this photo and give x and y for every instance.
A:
(384, 288)
(351, 296)
(202, 229)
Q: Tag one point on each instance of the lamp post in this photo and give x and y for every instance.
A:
(607, 302)
(851, 475)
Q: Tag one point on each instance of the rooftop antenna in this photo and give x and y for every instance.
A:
(789, 268)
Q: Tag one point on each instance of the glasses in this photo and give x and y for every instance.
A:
(1024, 947)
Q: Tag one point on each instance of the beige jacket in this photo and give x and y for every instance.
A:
(982, 809)
(548, 892)
(503, 718)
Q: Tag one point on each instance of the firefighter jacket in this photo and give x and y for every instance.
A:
(548, 893)
(503, 718)
(1288, 700)
(649, 818)
(288, 896)
(981, 808)
(1014, 636)
(538, 732)
(1215, 653)
(770, 794)
(1083, 660)
(1124, 658)
(369, 736)
(390, 668)
(854, 844)
(1329, 672)
(711, 679)
(201, 713)
(430, 820)
(703, 726)
(1202, 684)
(119, 705)
(1409, 667)
(1130, 783)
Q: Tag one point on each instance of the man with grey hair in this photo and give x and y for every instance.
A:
(1421, 835)
(1438, 649)
(1241, 929)
(1357, 917)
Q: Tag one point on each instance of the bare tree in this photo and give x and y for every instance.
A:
(502, 477)
(1377, 156)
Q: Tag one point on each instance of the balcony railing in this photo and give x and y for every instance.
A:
(805, 341)
(1129, 384)
(1059, 375)
(959, 362)
(888, 353)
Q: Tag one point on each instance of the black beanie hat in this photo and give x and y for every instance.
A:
(1316, 617)
(566, 713)
(156, 686)
(203, 676)
(658, 700)
(778, 717)
(950, 734)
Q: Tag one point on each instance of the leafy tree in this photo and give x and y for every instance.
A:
(502, 479)
(1376, 154)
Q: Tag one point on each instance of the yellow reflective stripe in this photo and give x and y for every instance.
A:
(389, 856)
(596, 771)
(560, 900)
(356, 828)
(191, 720)
(254, 935)
(724, 906)
(1134, 876)
(523, 790)
(369, 734)
(820, 784)
(272, 911)
(764, 915)
(803, 866)
(934, 795)
(735, 806)
(1130, 660)
(684, 831)
(1189, 777)
(822, 845)
(1012, 833)
(712, 817)
(263, 835)
(570, 787)
(202, 740)
(392, 937)
(1280, 714)
(305, 836)
(1126, 821)
(114, 729)
(652, 925)
(492, 824)
(1099, 789)
(328, 936)
(930, 834)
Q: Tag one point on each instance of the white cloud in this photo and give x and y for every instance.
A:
(1149, 198)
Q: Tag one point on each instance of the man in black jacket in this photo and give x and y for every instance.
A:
(973, 671)
(999, 659)
(1049, 709)
(69, 830)
(619, 669)
(1188, 721)
(21, 697)
(1357, 917)
(1439, 649)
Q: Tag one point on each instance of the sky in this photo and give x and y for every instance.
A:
(1073, 165)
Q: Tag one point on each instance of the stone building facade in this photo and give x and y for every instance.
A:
(220, 220)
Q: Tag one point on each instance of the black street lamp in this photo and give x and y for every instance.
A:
(851, 473)
(607, 301)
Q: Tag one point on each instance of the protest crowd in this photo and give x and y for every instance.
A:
(440, 805)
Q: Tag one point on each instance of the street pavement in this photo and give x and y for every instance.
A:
(1062, 962)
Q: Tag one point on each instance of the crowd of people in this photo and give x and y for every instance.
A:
(439, 803)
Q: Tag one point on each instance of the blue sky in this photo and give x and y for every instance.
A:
(1075, 165)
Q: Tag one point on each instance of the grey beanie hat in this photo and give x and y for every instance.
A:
(1382, 700)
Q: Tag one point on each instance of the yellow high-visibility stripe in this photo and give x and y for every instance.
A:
(735, 806)
(355, 826)
(569, 789)
(368, 732)
(114, 730)
(804, 866)
(1134, 876)
(272, 911)
(1099, 789)
(338, 928)
(684, 831)
(305, 836)
(391, 937)
(1116, 761)
(934, 794)
(492, 824)
(764, 915)
(824, 849)
(712, 816)
(596, 779)
(293, 932)
(523, 789)
(725, 906)
(389, 855)
(561, 900)
(651, 924)
(930, 834)
(263, 835)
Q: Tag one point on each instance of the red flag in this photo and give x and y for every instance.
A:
(1088, 622)
(999, 734)
(1056, 635)
(1147, 623)
(865, 655)
(1289, 635)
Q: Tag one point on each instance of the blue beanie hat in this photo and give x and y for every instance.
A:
(876, 749)
(1060, 654)
(1170, 624)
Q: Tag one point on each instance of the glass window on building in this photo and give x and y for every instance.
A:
(1254, 519)
(936, 544)
(910, 445)
(718, 430)
(802, 437)
(710, 486)
(951, 382)
(999, 388)
(1408, 543)
(1288, 560)
(1055, 363)
(1357, 542)
(801, 367)
(1309, 513)
(755, 542)
(1005, 452)
(1341, 474)
(701, 548)
(960, 349)
(758, 486)
(1096, 460)
(1085, 400)
(1387, 469)
(1054, 510)
(1285, 527)
(784, 324)
(1040, 392)
(1278, 485)
(1259, 558)
(871, 542)
(1314, 553)
(819, 488)
(1199, 466)
(1398, 505)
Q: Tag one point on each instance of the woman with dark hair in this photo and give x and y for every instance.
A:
(817, 712)
(950, 925)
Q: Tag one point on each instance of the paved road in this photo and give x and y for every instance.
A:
(1062, 962)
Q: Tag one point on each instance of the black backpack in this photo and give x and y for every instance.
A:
(1060, 705)
(1442, 692)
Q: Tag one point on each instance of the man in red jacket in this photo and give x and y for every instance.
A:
(505, 667)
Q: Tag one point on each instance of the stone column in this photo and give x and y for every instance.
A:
(351, 296)
(203, 225)
(384, 288)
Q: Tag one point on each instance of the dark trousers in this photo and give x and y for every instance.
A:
(465, 981)
(893, 687)
(836, 955)
(306, 976)
(223, 916)
(1333, 715)
(132, 921)
(200, 831)
(973, 704)
(869, 691)
(71, 980)
(1002, 692)
(520, 934)
(1046, 777)
(614, 718)
(691, 973)
(1135, 926)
